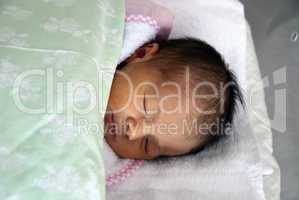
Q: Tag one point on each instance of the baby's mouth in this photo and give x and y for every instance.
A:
(109, 125)
(108, 119)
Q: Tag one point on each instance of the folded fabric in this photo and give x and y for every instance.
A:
(51, 56)
(144, 21)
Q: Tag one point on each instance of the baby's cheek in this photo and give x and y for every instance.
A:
(168, 124)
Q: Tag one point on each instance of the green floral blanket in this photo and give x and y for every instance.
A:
(57, 59)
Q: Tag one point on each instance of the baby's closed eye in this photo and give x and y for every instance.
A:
(151, 146)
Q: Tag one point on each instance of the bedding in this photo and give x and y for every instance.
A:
(240, 167)
(50, 147)
(57, 59)
(145, 21)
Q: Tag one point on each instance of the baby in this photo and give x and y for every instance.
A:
(170, 98)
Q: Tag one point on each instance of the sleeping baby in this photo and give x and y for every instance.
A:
(170, 98)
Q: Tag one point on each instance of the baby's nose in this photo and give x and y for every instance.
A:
(131, 130)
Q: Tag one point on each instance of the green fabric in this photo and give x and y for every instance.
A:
(51, 52)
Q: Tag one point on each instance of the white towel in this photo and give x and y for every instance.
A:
(136, 34)
(232, 168)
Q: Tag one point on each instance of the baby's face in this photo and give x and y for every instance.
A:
(146, 116)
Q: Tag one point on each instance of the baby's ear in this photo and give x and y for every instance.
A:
(144, 53)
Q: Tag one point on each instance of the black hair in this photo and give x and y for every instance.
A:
(202, 57)
(206, 63)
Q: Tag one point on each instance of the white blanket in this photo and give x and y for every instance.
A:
(232, 169)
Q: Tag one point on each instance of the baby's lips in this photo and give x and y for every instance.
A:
(109, 125)
(110, 134)
(108, 119)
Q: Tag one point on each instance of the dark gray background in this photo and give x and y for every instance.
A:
(273, 23)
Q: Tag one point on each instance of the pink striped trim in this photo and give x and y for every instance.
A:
(123, 173)
(145, 19)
